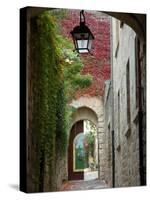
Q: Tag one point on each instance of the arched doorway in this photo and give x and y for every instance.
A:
(83, 146)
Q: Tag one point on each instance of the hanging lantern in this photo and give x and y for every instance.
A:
(82, 36)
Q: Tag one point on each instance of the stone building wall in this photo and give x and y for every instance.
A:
(127, 139)
(96, 105)
(126, 134)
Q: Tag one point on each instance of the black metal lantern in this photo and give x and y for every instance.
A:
(82, 36)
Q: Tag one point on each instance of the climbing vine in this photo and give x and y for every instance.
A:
(56, 76)
(97, 64)
(47, 77)
(73, 65)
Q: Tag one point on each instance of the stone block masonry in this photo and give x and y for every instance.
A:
(121, 96)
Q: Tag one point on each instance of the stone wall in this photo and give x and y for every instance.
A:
(126, 131)
(125, 108)
(61, 171)
(32, 181)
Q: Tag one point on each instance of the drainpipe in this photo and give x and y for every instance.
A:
(112, 105)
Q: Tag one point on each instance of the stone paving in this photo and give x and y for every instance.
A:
(90, 175)
(83, 185)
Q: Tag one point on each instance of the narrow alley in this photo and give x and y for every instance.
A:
(83, 185)
(85, 122)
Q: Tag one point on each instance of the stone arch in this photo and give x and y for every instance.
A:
(136, 21)
(91, 108)
(84, 113)
(77, 126)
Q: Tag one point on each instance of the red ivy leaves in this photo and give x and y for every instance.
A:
(97, 64)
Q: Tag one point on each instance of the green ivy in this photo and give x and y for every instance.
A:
(54, 81)
(61, 122)
(47, 80)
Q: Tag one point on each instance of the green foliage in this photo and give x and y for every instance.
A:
(72, 64)
(47, 79)
(90, 140)
(81, 81)
(57, 14)
(90, 136)
(55, 78)
(61, 121)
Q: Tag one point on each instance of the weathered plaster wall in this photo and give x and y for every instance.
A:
(127, 138)
(125, 131)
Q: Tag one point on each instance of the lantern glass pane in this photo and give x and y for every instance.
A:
(82, 44)
(82, 41)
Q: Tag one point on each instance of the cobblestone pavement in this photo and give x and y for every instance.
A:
(83, 185)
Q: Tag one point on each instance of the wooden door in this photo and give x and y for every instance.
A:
(72, 174)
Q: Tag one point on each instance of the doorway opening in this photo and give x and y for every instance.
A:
(85, 151)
